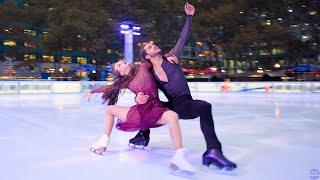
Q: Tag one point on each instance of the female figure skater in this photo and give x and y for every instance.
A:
(138, 78)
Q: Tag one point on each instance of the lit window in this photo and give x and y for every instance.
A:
(277, 51)
(9, 43)
(241, 63)
(67, 48)
(231, 63)
(305, 38)
(268, 23)
(264, 52)
(66, 59)
(313, 13)
(48, 58)
(200, 43)
(29, 57)
(239, 71)
(29, 45)
(109, 51)
(46, 69)
(30, 32)
(207, 53)
(82, 60)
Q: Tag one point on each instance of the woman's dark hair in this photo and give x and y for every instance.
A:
(112, 92)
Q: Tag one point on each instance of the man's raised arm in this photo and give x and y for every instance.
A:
(178, 48)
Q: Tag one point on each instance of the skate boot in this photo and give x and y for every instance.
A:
(100, 146)
(141, 140)
(180, 166)
(216, 158)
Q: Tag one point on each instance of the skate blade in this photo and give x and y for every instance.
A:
(99, 151)
(141, 147)
(224, 171)
(182, 173)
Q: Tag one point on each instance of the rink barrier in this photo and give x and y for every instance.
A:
(65, 87)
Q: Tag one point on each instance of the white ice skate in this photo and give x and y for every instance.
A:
(180, 166)
(100, 146)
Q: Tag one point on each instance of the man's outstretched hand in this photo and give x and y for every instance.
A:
(189, 9)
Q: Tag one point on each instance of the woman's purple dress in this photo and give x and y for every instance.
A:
(142, 116)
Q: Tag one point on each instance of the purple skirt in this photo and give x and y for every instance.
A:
(143, 116)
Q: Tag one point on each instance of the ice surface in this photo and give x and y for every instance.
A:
(47, 137)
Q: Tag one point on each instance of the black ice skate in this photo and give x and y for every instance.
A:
(221, 163)
(141, 140)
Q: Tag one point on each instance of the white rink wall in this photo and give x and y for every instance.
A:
(65, 87)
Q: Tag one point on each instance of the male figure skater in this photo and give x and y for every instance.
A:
(173, 84)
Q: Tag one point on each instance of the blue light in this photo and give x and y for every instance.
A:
(124, 32)
(129, 29)
(137, 28)
(124, 26)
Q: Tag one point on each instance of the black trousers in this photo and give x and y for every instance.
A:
(187, 108)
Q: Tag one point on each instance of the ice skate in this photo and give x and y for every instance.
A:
(140, 141)
(214, 160)
(180, 166)
(100, 146)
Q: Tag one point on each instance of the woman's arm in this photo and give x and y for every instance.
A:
(100, 89)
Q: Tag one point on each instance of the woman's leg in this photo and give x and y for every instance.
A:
(179, 161)
(172, 119)
(111, 112)
(100, 146)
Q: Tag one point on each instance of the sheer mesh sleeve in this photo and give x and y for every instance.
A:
(100, 89)
(178, 48)
(144, 81)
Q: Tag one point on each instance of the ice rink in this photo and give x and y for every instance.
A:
(269, 136)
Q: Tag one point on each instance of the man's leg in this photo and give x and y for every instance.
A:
(191, 109)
